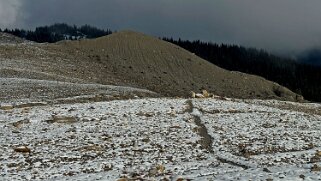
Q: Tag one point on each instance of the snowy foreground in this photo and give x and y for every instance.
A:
(160, 139)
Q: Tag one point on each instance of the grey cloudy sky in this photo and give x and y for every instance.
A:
(275, 25)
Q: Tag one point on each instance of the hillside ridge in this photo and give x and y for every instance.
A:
(129, 58)
(149, 62)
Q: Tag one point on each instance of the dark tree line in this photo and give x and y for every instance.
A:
(299, 77)
(58, 32)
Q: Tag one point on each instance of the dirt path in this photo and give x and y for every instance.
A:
(206, 140)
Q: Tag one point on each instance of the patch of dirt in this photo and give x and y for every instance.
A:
(206, 140)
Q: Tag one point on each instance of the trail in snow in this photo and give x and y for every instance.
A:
(156, 139)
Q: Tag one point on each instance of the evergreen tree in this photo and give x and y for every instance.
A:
(299, 77)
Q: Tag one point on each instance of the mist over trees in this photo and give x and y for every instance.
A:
(311, 56)
(58, 32)
(301, 78)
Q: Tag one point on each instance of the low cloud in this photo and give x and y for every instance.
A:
(287, 26)
(10, 13)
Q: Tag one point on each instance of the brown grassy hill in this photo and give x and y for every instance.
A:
(144, 61)
(133, 59)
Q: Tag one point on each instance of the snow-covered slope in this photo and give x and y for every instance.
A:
(6, 39)
(154, 139)
(15, 90)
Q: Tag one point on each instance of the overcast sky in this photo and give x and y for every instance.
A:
(275, 25)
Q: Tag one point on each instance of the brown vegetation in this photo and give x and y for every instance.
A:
(137, 60)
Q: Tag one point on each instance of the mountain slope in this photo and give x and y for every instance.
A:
(6, 38)
(148, 62)
(133, 59)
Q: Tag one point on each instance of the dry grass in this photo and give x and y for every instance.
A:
(137, 60)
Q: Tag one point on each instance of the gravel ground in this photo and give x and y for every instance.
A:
(160, 139)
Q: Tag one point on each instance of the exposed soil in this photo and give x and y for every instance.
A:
(206, 140)
(133, 59)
